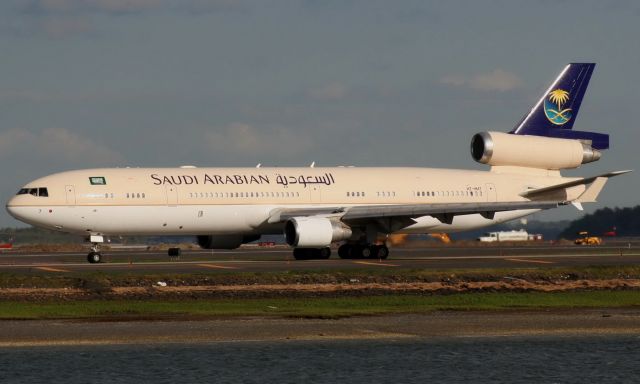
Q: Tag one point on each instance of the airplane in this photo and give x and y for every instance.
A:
(314, 207)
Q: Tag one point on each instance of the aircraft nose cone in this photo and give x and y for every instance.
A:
(14, 209)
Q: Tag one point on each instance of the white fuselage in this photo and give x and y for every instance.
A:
(207, 201)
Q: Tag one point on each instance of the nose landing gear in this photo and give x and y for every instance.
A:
(94, 256)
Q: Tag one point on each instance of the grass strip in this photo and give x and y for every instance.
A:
(316, 307)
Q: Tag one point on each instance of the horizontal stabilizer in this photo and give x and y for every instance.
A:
(588, 180)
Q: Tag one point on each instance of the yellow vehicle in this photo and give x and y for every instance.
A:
(585, 239)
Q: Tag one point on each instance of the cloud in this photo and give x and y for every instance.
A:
(48, 7)
(119, 7)
(497, 80)
(454, 80)
(329, 92)
(55, 143)
(58, 19)
(238, 138)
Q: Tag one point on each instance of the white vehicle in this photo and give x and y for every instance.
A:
(314, 207)
(520, 235)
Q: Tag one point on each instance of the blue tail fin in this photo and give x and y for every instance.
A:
(554, 114)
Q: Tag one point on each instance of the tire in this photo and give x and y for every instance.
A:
(345, 251)
(366, 252)
(94, 257)
(383, 252)
(324, 253)
(301, 253)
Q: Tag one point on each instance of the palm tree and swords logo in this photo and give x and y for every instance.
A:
(553, 107)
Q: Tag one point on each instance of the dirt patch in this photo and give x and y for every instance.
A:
(155, 291)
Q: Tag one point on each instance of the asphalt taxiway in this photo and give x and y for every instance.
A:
(256, 259)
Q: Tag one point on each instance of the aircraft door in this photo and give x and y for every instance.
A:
(492, 194)
(70, 192)
(172, 194)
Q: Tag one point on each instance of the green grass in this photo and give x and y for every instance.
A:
(316, 307)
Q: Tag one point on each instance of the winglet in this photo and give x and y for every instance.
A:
(592, 192)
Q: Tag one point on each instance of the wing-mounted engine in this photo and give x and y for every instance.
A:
(504, 149)
(314, 232)
(225, 241)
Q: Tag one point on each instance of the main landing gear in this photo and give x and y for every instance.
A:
(363, 251)
(346, 251)
(312, 253)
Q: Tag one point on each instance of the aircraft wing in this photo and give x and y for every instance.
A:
(443, 212)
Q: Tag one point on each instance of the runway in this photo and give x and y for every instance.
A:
(255, 259)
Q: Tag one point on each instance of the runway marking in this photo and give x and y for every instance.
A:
(531, 261)
(49, 269)
(214, 266)
(379, 263)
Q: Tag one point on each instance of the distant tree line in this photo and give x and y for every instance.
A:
(32, 235)
(626, 222)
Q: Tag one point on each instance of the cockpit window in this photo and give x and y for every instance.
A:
(42, 192)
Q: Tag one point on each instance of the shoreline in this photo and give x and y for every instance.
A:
(433, 325)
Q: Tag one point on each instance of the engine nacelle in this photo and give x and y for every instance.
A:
(504, 149)
(314, 232)
(225, 241)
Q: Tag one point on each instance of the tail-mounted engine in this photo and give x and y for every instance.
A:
(504, 149)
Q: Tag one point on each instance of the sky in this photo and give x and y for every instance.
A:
(162, 83)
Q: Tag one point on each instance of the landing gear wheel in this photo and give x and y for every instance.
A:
(324, 253)
(301, 253)
(383, 252)
(311, 253)
(366, 252)
(94, 257)
(345, 251)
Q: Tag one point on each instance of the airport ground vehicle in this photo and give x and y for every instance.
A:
(520, 235)
(585, 239)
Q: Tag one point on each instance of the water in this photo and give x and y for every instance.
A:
(593, 359)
